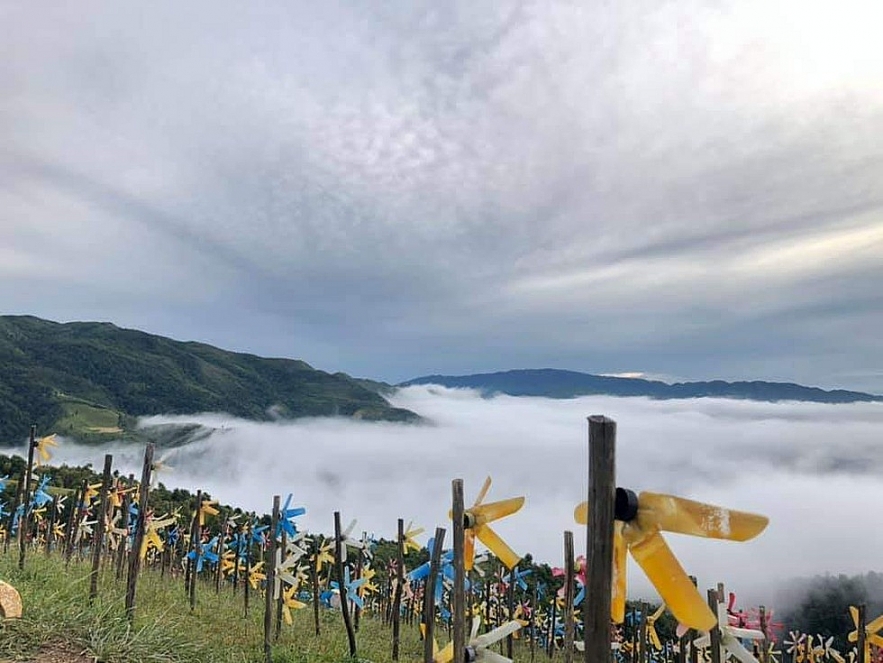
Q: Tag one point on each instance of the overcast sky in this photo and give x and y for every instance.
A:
(688, 189)
(774, 459)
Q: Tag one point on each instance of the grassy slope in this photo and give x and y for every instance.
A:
(49, 371)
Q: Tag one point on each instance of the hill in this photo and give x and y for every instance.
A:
(90, 380)
(554, 383)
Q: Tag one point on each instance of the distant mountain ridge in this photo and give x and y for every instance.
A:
(556, 383)
(91, 380)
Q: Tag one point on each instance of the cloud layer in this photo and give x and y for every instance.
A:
(813, 469)
(680, 188)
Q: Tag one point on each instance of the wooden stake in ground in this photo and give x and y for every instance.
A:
(77, 512)
(194, 553)
(861, 630)
(24, 521)
(459, 598)
(341, 584)
(271, 580)
(568, 597)
(135, 553)
(98, 536)
(599, 538)
(397, 596)
(715, 632)
(429, 595)
(315, 579)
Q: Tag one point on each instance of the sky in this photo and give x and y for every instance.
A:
(686, 189)
(776, 459)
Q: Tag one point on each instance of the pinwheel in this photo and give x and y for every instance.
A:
(256, 575)
(84, 528)
(92, 491)
(290, 602)
(346, 541)
(773, 628)
(825, 650)
(652, 635)
(152, 538)
(519, 578)
(204, 552)
(207, 508)
(478, 647)
(285, 560)
(3, 481)
(160, 465)
(639, 521)
(41, 497)
(42, 447)
(730, 636)
(286, 519)
(475, 524)
(352, 587)
(324, 554)
(368, 587)
(410, 542)
(796, 644)
(872, 636)
(58, 531)
(773, 655)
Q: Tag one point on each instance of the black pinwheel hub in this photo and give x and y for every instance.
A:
(625, 506)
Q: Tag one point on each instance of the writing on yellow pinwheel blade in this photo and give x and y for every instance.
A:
(676, 514)
(656, 559)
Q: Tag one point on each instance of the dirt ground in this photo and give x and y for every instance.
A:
(59, 653)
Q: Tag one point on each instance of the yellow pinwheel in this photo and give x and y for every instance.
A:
(42, 447)
(368, 587)
(324, 554)
(410, 542)
(92, 491)
(207, 508)
(651, 627)
(475, 524)
(256, 575)
(290, 602)
(151, 533)
(639, 521)
(872, 635)
(478, 647)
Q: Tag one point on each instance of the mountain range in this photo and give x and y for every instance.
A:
(92, 380)
(555, 383)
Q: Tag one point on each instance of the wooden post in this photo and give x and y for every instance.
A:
(510, 606)
(714, 633)
(219, 571)
(25, 520)
(195, 550)
(50, 527)
(429, 595)
(599, 538)
(642, 632)
(78, 510)
(861, 628)
(765, 643)
(280, 599)
(357, 612)
(459, 599)
(271, 580)
(568, 597)
(135, 553)
(397, 596)
(341, 583)
(246, 588)
(98, 538)
(124, 543)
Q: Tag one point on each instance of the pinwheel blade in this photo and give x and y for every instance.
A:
(683, 516)
(660, 565)
(468, 549)
(487, 513)
(487, 639)
(737, 649)
(874, 625)
(446, 655)
(483, 492)
(620, 563)
(496, 545)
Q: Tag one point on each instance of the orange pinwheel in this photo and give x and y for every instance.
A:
(639, 521)
(475, 524)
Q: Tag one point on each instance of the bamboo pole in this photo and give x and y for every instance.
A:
(599, 535)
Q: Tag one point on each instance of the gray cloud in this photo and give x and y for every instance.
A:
(683, 188)
(813, 469)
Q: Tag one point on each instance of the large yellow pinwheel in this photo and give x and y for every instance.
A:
(42, 446)
(872, 637)
(475, 524)
(639, 521)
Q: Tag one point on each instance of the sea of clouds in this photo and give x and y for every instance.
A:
(816, 470)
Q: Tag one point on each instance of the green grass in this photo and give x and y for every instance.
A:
(56, 611)
(81, 419)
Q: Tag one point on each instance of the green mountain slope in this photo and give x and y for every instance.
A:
(90, 380)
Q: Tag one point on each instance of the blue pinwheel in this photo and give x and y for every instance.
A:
(352, 587)
(41, 497)
(3, 481)
(286, 519)
(519, 577)
(3, 512)
(257, 533)
(581, 594)
(204, 552)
